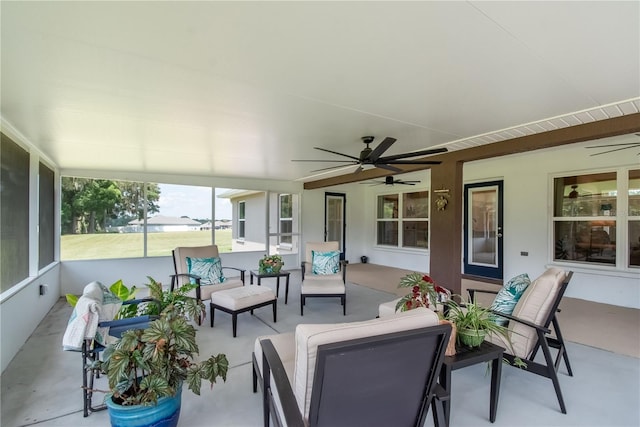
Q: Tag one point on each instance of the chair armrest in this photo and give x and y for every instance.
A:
(303, 267)
(472, 292)
(272, 367)
(242, 271)
(174, 279)
(343, 266)
(522, 321)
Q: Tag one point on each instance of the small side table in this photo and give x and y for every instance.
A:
(282, 273)
(470, 356)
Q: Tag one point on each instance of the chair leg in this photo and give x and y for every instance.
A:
(234, 321)
(551, 372)
(563, 349)
(255, 379)
(344, 305)
(275, 310)
(213, 310)
(301, 305)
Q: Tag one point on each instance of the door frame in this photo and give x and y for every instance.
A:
(490, 271)
(343, 243)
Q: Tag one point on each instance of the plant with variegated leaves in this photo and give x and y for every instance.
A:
(424, 292)
(145, 365)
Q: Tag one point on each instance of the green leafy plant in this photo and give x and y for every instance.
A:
(473, 319)
(270, 264)
(145, 365)
(177, 301)
(424, 292)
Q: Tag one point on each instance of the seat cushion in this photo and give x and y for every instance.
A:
(243, 297)
(534, 306)
(309, 287)
(509, 296)
(207, 290)
(208, 269)
(309, 337)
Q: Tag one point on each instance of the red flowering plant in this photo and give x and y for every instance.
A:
(424, 292)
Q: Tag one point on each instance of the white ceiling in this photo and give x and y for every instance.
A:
(239, 89)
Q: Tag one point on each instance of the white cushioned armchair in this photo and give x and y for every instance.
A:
(377, 372)
(323, 280)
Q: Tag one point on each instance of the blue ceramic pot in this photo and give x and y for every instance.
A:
(164, 414)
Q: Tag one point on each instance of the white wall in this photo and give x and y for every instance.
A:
(23, 311)
(528, 207)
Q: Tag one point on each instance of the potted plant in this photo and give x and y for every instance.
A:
(424, 292)
(270, 264)
(147, 368)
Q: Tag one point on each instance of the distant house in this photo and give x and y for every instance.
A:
(161, 224)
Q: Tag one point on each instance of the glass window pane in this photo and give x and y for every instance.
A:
(103, 218)
(46, 216)
(415, 234)
(286, 207)
(14, 218)
(415, 205)
(585, 195)
(634, 192)
(388, 206)
(182, 217)
(634, 243)
(388, 233)
(589, 241)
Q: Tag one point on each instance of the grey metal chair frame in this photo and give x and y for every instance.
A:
(548, 369)
(382, 380)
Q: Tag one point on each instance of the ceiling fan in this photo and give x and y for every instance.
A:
(389, 180)
(374, 157)
(621, 146)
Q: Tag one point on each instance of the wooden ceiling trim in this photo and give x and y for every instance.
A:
(585, 132)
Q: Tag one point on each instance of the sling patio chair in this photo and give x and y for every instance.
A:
(91, 328)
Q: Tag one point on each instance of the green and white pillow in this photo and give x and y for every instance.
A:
(509, 296)
(208, 269)
(325, 262)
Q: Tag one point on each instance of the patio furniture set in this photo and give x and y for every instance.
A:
(390, 370)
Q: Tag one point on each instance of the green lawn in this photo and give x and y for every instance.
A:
(130, 245)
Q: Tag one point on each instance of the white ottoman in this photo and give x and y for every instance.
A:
(239, 300)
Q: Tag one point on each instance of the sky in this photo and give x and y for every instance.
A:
(191, 201)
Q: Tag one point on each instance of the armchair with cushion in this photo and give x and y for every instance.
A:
(529, 327)
(323, 273)
(202, 265)
(380, 372)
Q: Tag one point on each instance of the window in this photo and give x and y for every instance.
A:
(46, 216)
(408, 212)
(286, 219)
(588, 212)
(634, 218)
(14, 216)
(241, 219)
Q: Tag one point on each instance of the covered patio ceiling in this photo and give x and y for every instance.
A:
(239, 89)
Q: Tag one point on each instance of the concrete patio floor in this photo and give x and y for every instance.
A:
(41, 386)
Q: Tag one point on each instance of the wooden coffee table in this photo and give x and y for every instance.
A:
(278, 275)
(465, 356)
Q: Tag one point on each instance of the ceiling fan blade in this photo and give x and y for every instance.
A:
(329, 168)
(613, 145)
(387, 167)
(407, 182)
(358, 169)
(411, 162)
(339, 154)
(615, 149)
(326, 161)
(414, 154)
(381, 148)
